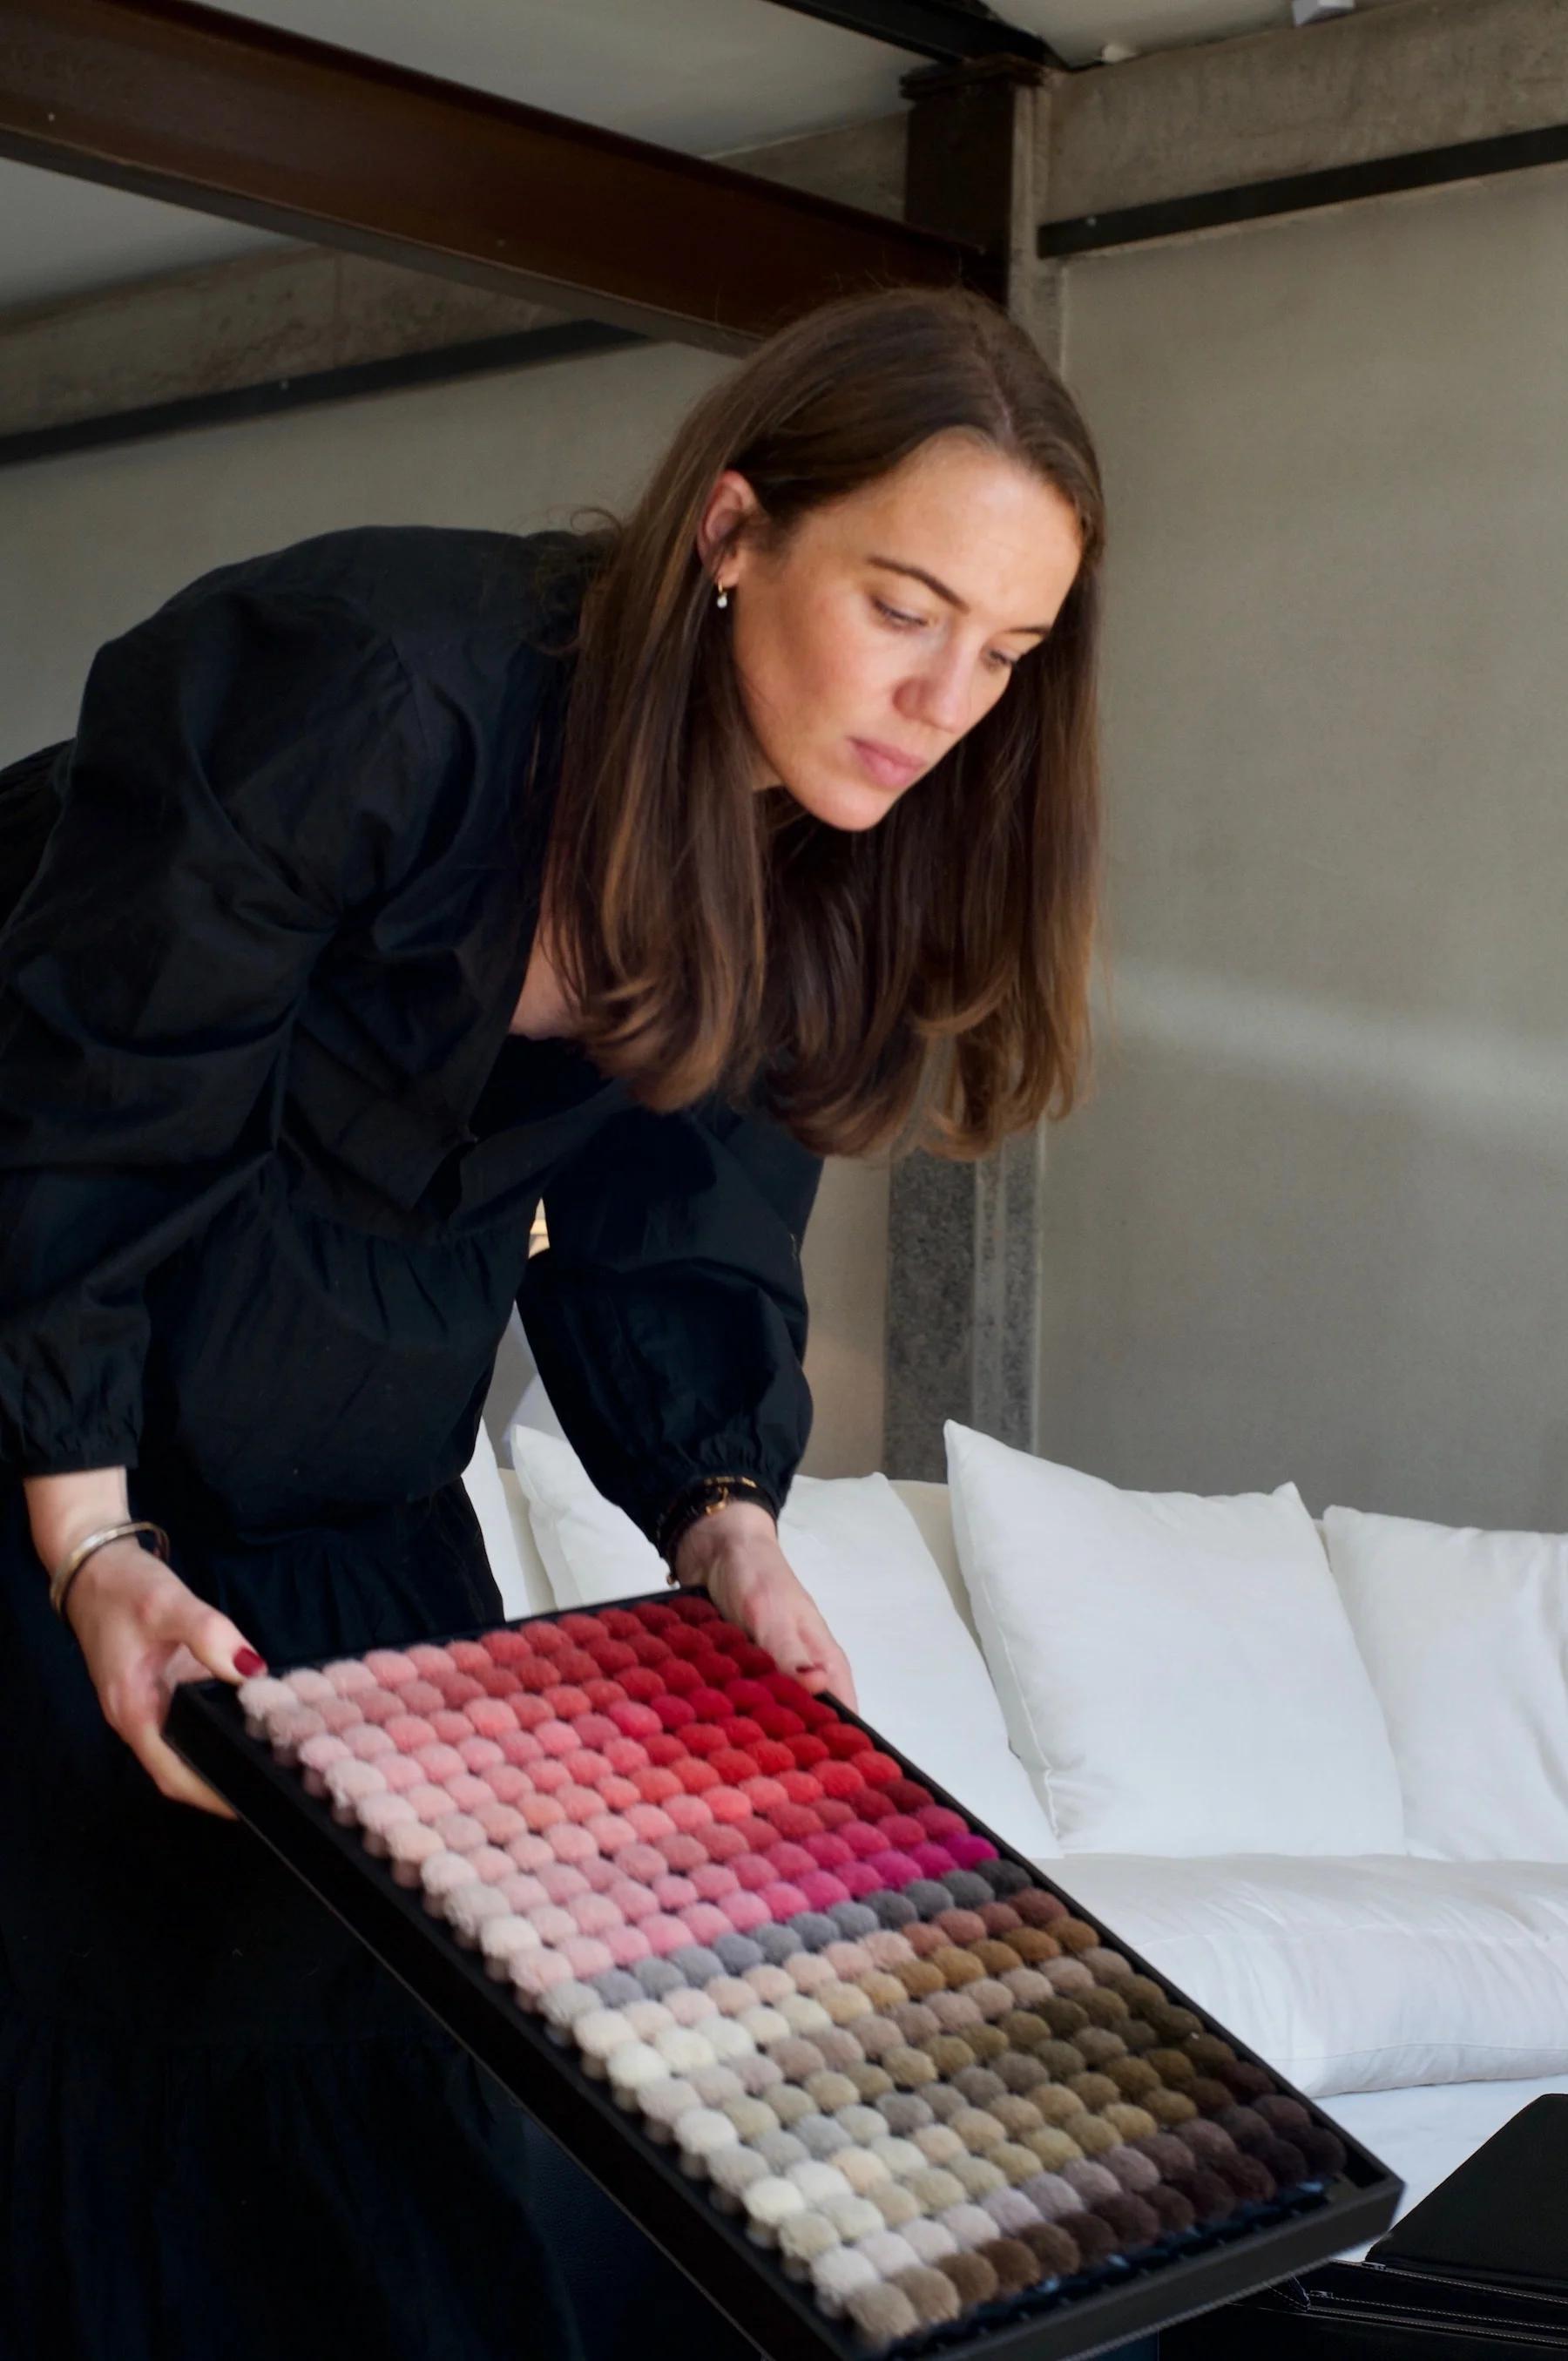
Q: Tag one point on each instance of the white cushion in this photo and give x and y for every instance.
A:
(1353, 1975)
(1466, 1635)
(1177, 1672)
(919, 1678)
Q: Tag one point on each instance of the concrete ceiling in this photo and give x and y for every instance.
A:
(702, 76)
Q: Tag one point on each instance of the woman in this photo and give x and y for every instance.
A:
(391, 881)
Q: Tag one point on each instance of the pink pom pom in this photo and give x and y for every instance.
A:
(540, 1812)
(625, 1755)
(468, 1791)
(611, 1831)
(520, 1892)
(600, 1870)
(861, 1878)
(754, 1870)
(707, 1922)
(365, 1740)
(681, 1852)
(534, 1973)
(784, 1899)
(289, 1729)
(529, 1852)
(627, 1946)
(650, 1821)
(411, 1844)
(479, 1754)
(596, 1914)
(390, 1666)
(822, 1889)
(402, 1773)
(673, 1893)
(499, 1821)
(634, 1720)
(549, 1775)
(430, 1799)
(380, 1705)
(339, 1713)
(894, 1869)
(715, 1879)
(587, 1955)
(440, 1761)
(428, 1657)
(557, 1738)
(379, 1815)
(508, 1783)
(691, 1813)
(450, 1726)
(493, 1865)
(348, 1675)
(569, 1843)
(744, 1911)
(968, 1848)
(935, 1860)
(468, 1655)
(634, 1902)
(345, 1783)
(423, 1697)
(553, 1922)
(459, 1831)
(491, 1718)
(665, 1933)
(408, 1731)
(562, 1880)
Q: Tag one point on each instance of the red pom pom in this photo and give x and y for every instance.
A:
(733, 1765)
(808, 1750)
(672, 1711)
(641, 1682)
(780, 1722)
(695, 1774)
(878, 1768)
(665, 1747)
(841, 1779)
(680, 1678)
(846, 1738)
(705, 1738)
(772, 1757)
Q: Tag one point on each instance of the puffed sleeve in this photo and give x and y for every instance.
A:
(233, 787)
(667, 1314)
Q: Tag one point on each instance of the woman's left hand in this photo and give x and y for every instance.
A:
(751, 1583)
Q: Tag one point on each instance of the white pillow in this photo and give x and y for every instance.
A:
(1375, 1974)
(919, 1678)
(1466, 1635)
(1177, 1672)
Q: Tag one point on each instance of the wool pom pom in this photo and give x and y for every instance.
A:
(409, 1845)
(346, 1783)
(841, 2273)
(894, 2203)
(504, 1938)
(771, 2201)
(701, 2132)
(663, 2103)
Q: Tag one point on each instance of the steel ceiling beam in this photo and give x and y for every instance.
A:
(950, 32)
(191, 105)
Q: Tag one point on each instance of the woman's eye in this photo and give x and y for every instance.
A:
(896, 615)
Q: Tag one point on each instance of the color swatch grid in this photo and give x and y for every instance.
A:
(898, 2060)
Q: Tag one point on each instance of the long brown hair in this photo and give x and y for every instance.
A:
(921, 983)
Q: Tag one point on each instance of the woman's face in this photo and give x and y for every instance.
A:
(842, 648)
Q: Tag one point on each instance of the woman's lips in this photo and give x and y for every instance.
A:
(888, 769)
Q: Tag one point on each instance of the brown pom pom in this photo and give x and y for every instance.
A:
(1138, 2034)
(1206, 2140)
(1172, 2066)
(1129, 2122)
(995, 1956)
(958, 1968)
(1097, 2045)
(1171, 2107)
(1033, 1944)
(1141, 1992)
(1175, 2210)
(1052, 2248)
(1209, 2096)
(1324, 2150)
(931, 2293)
(1212, 2198)
(1094, 2135)
(1103, 2006)
(1251, 2180)
(972, 2275)
(920, 1976)
(1207, 2051)
(1133, 2076)
(1094, 2090)
(979, 2085)
(915, 2022)
(949, 2054)
(1064, 2015)
(909, 2068)
(1166, 2152)
(1021, 2071)
(1027, 1986)
(961, 1925)
(999, 1918)
(1095, 2239)
(988, 2041)
(1062, 2058)
(1248, 2082)
(869, 2080)
(1023, 2029)
(1016, 2266)
(923, 1938)
(1037, 1907)
(1281, 2112)
(1016, 2114)
(1134, 2221)
(1076, 1935)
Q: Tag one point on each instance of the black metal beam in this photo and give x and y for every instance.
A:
(234, 405)
(953, 32)
(202, 108)
(1382, 176)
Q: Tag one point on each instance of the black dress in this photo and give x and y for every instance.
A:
(268, 1163)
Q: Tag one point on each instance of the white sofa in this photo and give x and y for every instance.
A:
(1421, 2000)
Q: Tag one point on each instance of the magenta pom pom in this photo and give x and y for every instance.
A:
(822, 1889)
(967, 1850)
(934, 1859)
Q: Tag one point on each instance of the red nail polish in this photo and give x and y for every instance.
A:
(247, 1662)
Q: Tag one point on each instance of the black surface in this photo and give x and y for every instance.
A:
(1083, 2315)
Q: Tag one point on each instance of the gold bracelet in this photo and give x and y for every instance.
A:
(65, 1574)
(691, 1504)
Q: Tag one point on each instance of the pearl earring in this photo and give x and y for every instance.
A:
(723, 598)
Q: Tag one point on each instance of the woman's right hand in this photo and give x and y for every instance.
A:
(135, 1620)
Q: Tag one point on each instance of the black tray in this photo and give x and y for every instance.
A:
(1124, 2297)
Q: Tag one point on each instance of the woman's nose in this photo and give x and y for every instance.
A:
(940, 696)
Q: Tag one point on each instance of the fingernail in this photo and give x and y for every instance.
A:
(247, 1662)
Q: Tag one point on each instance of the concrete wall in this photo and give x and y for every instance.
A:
(93, 541)
(1312, 1223)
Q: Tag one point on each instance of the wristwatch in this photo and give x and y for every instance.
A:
(705, 1499)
